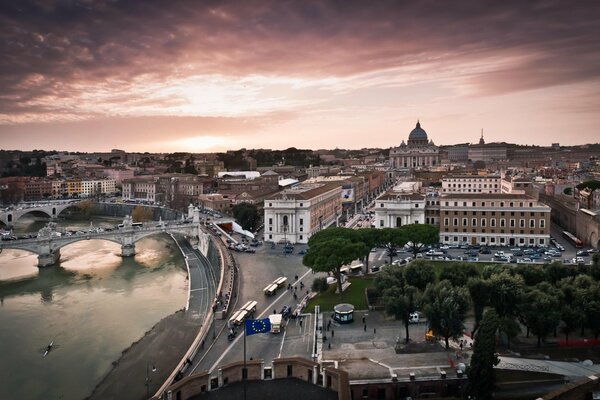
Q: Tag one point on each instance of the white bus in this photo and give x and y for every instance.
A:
(250, 306)
(270, 289)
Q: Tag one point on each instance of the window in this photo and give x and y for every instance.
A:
(382, 205)
(542, 223)
(270, 236)
(270, 221)
(301, 205)
(446, 222)
(270, 204)
(300, 237)
(381, 223)
(465, 222)
(455, 221)
(446, 238)
(521, 223)
(532, 223)
(474, 222)
(482, 221)
(542, 241)
(512, 223)
(493, 222)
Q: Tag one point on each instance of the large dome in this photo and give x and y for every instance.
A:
(417, 134)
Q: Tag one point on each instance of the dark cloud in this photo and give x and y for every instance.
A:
(47, 46)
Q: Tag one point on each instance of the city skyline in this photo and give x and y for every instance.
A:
(215, 76)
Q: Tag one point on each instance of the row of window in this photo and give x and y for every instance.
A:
(469, 185)
(492, 222)
(490, 203)
(492, 213)
(501, 240)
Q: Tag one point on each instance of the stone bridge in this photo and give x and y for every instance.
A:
(52, 210)
(50, 240)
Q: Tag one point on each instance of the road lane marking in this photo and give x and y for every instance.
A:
(202, 288)
(282, 341)
(237, 339)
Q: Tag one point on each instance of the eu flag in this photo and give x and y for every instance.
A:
(257, 326)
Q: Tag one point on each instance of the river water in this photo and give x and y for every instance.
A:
(93, 305)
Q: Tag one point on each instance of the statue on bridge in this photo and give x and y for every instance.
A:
(48, 231)
(127, 221)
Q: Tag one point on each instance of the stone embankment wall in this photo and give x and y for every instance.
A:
(121, 210)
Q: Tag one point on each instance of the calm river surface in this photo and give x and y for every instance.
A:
(93, 305)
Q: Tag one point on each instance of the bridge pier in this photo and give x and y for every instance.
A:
(128, 250)
(48, 259)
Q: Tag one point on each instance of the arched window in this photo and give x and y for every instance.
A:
(285, 220)
(398, 222)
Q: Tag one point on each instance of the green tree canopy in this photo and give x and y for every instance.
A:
(327, 254)
(541, 312)
(592, 185)
(419, 274)
(399, 298)
(247, 215)
(420, 235)
(391, 239)
(459, 273)
(506, 293)
(446, 307)
(479, 290)
(481, 370)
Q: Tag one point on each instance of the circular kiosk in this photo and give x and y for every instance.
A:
(343, 313)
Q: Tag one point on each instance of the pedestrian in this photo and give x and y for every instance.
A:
(332, 333)
(374, 331)
(329, 346)
(295, 288)
(300, 323)
(274, 311)
(296, 278)
(363, 319)
(295, 297)
(202, 344)
(365, 327)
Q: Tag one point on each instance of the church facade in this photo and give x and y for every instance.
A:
(418, 152)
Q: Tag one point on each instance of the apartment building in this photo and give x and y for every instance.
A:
(471, 184)
(295, 214)
(494, 219)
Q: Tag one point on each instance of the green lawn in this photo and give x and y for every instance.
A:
(355, 295)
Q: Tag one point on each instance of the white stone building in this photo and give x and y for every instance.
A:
(394, 209)
(295, 214)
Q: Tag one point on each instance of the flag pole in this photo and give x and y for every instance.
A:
(245, 371)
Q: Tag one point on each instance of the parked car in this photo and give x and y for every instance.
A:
(413, 318)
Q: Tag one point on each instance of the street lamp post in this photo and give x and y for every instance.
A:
(148, 377)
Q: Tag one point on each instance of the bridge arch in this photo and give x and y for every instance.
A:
(83, 238)
(34, 212)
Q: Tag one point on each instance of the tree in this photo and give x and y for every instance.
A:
(592, 185)
(141, 214)
(327, 254)
(247, 215)
(571, 311)
(541, 312)
(481, 370)
(419, 274)
(420, 235)
(391, 238)
(446, 307)
(369, 237)
(479, 290)
(399, 298)
(506, 292)
(86, 207)
(319, 285)
(458, 274)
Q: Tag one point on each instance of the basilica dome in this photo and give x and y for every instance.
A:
(418, 136)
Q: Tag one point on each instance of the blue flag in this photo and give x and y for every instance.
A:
(257, 326)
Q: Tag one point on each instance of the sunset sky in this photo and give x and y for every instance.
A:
(205, 76)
